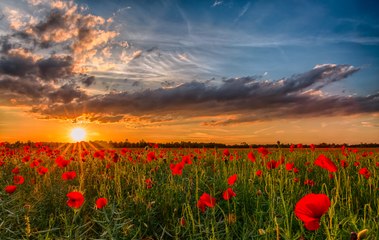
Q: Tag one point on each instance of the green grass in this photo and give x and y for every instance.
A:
(262, 209)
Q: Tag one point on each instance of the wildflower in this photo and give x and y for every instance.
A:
(272, 164)
(42, 170)
(186, 160)
(290, 166)
(151, 156)
(258, 173)
(206, 200)
(344, 164)
(312, 147)
(10, 189)
(75, 199)
(251, 157)
(292, 147)
(228, 194)
(232, 179)
(61, 162)
(364, 172)
(325, 163)
(226, 152)
(310, 209)
(69, 175)
(149, 183)
(309, 182)
(263, 151)
(16, 170)
(177, 169)
(182, 221)
(18, 179)
(26, 158)
(99, 154)
(101, 202)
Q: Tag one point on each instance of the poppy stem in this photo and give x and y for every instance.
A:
(326, 229)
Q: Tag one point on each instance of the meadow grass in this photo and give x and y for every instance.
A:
(262, 209)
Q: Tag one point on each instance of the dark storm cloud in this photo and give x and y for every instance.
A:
(47, 69)
(17, 66)
(55, 67)
(28, 88)
(248, 98)
(88, 80)
(66, 94)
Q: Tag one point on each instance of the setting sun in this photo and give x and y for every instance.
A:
(78, 134)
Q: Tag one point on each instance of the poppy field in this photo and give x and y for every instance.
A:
(78, 191)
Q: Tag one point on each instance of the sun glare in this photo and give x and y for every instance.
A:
(78, 134)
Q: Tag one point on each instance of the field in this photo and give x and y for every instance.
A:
(76, 191)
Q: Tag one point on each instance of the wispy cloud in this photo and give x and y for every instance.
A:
(243, 11)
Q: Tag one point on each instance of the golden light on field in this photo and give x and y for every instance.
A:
(78, 134)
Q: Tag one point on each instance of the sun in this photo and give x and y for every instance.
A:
(78, 134)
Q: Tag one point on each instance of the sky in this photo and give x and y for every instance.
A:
(228, 71)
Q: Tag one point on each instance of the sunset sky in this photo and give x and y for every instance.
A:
(298, 71)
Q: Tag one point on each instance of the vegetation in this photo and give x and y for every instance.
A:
(158, 193)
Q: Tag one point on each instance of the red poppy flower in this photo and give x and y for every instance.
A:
(251, 157)
(75, 199)
(312, 147)
(124, 151)
(228, 194)
(61, 162)
(149, 183)
(182, 221)
(151, 156)
(289, 166)
(232, 179)
(310, 209)
(206, 200)
(16, 170)
(258, 173)
(26, 158)
(325, 163)
(186, 160)
(344, 164)
(69, 175)
(10, 189)
(272, 164)
(18, 179)
(177, 169)
(364, 172)
(99, 154)
(292, 147)
(35, 163)
(309, 182)
(101, 202)
(263, 151)
(226, 152)
(42, 170)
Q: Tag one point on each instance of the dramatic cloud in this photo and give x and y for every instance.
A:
(66, 64)
(43, 57)
(246, 99)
